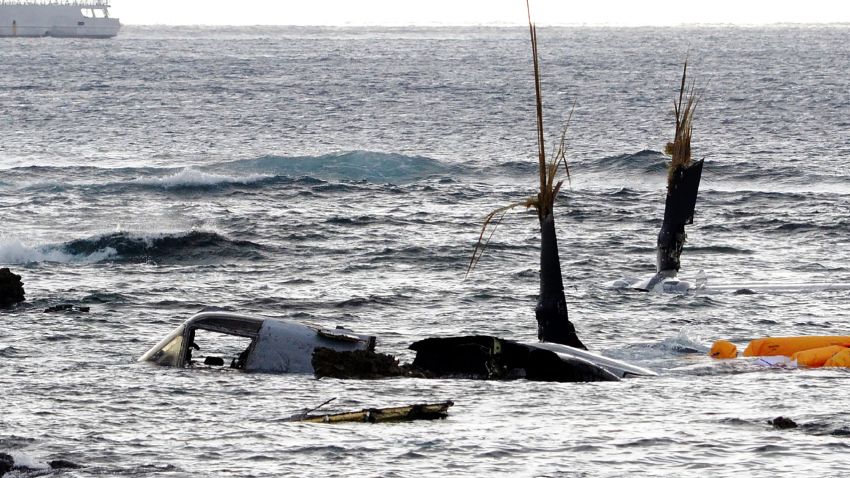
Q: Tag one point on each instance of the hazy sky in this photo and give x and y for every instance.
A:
(475, 12)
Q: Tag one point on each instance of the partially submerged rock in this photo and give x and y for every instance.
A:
(63, 464)
(11, 288)
(782, 423)
(7, 464)
(66, 308)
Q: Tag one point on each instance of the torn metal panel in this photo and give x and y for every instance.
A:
(492, 358)
(287, 347)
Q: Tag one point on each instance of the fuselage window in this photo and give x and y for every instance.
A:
(215, 349)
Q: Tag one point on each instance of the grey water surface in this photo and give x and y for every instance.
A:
(340, 176)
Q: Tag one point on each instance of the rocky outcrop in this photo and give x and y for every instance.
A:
(11, 288)
(782, 423)
(7, 463)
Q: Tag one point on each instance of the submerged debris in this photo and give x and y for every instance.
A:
(479, 357)
(11, 288)
(422, 411)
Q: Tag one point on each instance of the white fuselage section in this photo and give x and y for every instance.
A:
(86, 20)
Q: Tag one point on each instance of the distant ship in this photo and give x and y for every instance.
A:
(57, 18)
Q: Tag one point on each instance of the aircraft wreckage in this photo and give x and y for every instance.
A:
(226, 340)
(256, 344)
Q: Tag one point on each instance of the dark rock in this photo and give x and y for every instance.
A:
(782, 423)
(6, 461)
(744, 292)
(59, 308)
(7, 464)
(66, 308)
(357, 364)
(11, 288)
(60, 464)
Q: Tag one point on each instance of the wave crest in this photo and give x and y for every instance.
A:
(353, 166)
(187, 247)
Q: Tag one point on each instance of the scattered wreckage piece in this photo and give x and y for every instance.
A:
(11, 288)
(254, 344)
(479, 357)
(492, 358)
(683, 181)
(422, 411)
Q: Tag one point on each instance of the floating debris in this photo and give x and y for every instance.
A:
(423, 411)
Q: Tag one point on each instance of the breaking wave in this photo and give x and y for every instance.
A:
(13, 251)
(187, 247)
(371, 167)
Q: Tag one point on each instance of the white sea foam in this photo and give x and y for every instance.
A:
(13, 251)
(26, 461)
(190, 177)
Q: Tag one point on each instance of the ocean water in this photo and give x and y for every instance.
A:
(340, 176)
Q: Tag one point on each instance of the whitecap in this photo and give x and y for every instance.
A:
(25, 461)
(190, 177)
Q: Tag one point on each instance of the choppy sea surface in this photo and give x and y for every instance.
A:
(340, 176)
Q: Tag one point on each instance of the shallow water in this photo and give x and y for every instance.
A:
(340, 176)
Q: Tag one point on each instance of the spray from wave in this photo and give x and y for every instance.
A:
(13, 251)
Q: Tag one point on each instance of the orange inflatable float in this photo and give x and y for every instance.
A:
(816, 357)
(841, 359)
(788, 346)
(808, 351)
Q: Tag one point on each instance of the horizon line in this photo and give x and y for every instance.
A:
(494, 25)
